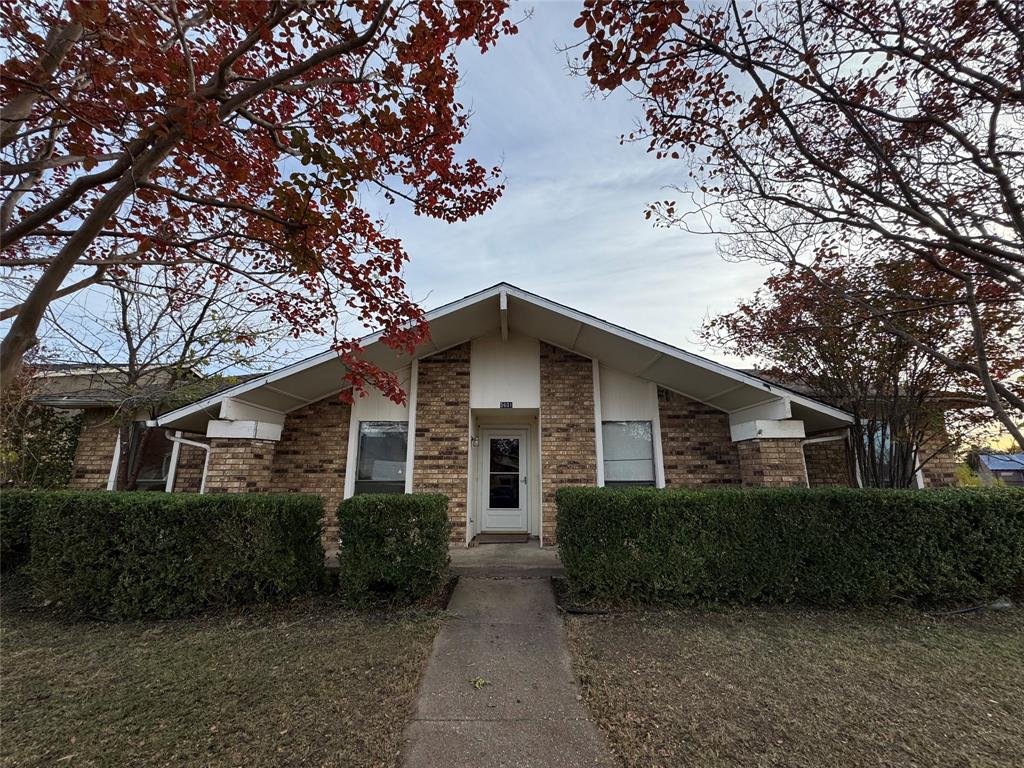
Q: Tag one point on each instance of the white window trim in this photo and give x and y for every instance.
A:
(410, 434)
(659, 457)
(598, 422)
(350, 457)
(659, 476)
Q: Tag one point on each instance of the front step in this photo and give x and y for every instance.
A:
(522, 561)
(500, 538)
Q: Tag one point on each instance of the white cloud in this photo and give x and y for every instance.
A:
(571, 224)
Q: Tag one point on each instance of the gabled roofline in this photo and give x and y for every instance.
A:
(676, 352)
(317, 359)
(519, 293)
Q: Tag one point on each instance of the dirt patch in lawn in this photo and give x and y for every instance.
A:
(804, 688)
(307, 683)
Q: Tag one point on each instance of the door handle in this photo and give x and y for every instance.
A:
(524, 479)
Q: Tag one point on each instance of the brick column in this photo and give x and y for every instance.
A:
(188, 477)
(239, 465)
(311, 456)
(772, 462)
(441, 463)
(828, 463)
(568, 453)
(95, 451)
(939, 470)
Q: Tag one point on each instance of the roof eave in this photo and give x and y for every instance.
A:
(493, 291)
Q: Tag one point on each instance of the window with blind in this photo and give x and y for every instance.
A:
(380, 465)
(628, 453)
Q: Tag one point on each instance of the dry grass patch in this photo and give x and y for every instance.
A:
(304, 684)
(751, 687)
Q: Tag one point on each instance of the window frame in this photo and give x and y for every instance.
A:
(362, 486)
(653, 482)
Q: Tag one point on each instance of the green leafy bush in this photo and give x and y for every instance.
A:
(828, 546)
(16, 508)
(128, 555)
(393, 547)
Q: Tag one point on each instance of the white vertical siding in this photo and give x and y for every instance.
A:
(626, 398)
(375, 406)
(504, 372)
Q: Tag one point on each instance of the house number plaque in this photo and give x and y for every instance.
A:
(505, 404)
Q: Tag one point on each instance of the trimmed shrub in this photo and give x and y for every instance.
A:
(16, 508)
(828, 546)
(393, 547)
(131, 554)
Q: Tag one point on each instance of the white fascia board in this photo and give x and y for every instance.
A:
(770, 411)
(679, 354)
(766, 429)
(253, 430)
(505, 289)
(323, 357)
(239, 410)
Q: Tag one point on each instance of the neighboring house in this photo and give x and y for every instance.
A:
(936, 455)
(98, 393)
(1007, 468)
(514, 397)
(101, 395)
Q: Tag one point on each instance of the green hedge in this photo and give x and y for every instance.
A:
(830, 546)
(16, 508)
(131, 554)
(392, 547)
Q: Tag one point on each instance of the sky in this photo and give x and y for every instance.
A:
(570, 225)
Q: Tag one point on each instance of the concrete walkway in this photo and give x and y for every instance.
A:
(506, 632)
(525, 560)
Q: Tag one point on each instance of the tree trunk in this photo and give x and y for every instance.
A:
(17, 110)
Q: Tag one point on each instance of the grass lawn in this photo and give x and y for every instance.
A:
(804, 688)
(303, 684)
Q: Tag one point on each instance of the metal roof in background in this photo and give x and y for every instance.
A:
(1003, 462)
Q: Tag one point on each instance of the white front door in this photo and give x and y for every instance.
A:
(504, 497)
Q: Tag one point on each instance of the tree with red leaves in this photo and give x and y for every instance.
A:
(237, 137)
(824, 134)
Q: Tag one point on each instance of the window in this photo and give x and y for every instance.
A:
(878, 450)
(628, 453)
(380, 466)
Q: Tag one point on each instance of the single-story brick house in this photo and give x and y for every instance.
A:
(514, 397)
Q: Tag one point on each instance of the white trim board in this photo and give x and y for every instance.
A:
(508, 290)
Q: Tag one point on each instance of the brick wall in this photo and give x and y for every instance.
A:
(310, 458)
(695, 443)
(95, 451)
(772, 462)
(239, 465)
(442, 431)
(939, 470)
(567, 449)
(828, 463)
(189, 475)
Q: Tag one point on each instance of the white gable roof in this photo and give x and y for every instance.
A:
(525, 313)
